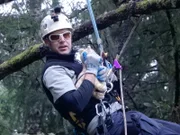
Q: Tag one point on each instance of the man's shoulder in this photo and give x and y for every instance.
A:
(59, 69)
(55, 65)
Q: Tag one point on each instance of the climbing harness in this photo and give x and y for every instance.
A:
(101, 107)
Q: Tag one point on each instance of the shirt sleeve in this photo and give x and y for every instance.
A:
(76, 100)
(58, 80)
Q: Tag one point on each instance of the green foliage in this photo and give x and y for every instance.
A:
(24, 105)
(148, 66)
(6, 110)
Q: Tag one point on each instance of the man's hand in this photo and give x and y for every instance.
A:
(102, 73)
(93, 65)
(100, 83)
(92, 61)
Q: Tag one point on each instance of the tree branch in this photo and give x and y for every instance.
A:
(23, 59)
(123, 12)
(5, 1)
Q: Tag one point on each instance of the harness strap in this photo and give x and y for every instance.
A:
(104, 117)
(101, 129)
(92, 127)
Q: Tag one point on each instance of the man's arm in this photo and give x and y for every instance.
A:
(64, 91)
(60, 83)
(76, 100)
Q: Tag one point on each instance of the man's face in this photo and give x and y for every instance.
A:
(60, 41)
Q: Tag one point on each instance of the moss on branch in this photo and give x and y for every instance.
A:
(21, 60)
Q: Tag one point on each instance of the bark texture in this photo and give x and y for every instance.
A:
(5, 1)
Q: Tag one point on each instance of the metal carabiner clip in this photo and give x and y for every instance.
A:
(109, 86)
(99, 109)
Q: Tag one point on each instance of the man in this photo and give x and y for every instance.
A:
(78, 104)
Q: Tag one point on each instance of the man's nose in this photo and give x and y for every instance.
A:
(61, 38)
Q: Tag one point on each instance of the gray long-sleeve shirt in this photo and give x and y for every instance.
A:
(59, 80)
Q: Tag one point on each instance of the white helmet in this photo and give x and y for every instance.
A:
(51, 23)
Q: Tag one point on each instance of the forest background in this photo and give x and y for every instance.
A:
(145, 33)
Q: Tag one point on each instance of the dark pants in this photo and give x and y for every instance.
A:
(140, 124)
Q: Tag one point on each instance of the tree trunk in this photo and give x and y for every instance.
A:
(175, 111)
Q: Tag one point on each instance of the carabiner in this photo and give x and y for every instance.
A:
(109, 86)
(99, 109)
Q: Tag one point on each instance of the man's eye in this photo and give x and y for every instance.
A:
(54, 37)
(67, 35)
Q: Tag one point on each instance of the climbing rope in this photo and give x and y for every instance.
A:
(99, 41)
(116, 65)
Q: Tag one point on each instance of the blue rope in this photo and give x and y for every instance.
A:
(95, 27)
